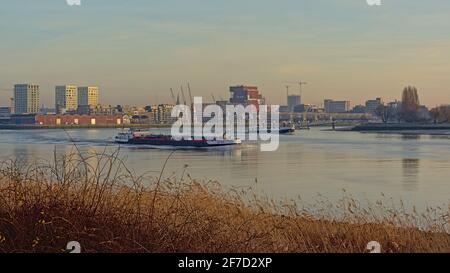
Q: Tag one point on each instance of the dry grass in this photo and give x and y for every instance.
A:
(97, 201)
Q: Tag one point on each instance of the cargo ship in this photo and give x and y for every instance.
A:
(147, 138)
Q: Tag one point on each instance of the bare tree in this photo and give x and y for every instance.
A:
(440, 114)
(434, 113)
(410, 104)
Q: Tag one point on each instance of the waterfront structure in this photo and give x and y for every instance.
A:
(66, 98)
(22, 119)
(80, 120)
(26, 98)
(132, 110)
(5, 115)
(332, 106)
(397, 105)
(97, 109)
(246, 95)
(5, 111)
(372, 105)
(293, 101)
(88, 96)
(151, 115)
(45, 110)
(301, 108)
(360, 109)
(284, 109)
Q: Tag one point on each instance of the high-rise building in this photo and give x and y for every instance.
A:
(332, 106)
(88, 96)
(26, 98)
(66, 98)
(292, 101)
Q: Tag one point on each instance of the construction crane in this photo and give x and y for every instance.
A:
(178, 99)
(173, 96)
(287, 89)
(300, 84)
(190, 94)
(214, 98)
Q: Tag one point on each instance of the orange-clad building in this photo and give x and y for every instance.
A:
(246, 95)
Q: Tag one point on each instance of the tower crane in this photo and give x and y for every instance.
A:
(300, 84)
(287, 89)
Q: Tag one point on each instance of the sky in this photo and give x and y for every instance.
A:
(136, 50)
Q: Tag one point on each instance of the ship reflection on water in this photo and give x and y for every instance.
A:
(411, 170)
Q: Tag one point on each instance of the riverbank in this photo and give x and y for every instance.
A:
(55, 127)
(382, 127)
(98, 202)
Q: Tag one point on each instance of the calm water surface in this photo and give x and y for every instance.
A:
(413, 168)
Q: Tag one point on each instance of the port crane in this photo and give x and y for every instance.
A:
(190, 94)
(182, 94)
(176, 99)
(173, 96)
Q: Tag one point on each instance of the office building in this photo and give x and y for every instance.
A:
(66, 98)
(302, 108)
(332, 106)
(293, 101)
(372, 105)
(26, 99)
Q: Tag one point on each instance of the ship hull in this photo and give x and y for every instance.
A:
(287, 131)
(179, 143)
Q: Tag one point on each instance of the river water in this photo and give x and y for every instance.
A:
(415, 169)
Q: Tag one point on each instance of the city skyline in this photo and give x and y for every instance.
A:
(143, 50)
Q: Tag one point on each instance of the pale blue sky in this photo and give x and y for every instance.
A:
(136, 50)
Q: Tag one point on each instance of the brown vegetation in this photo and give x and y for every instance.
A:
(98, 202)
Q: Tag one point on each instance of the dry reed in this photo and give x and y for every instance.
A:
(96, 200)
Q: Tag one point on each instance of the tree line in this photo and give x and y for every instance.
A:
(410, 110)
